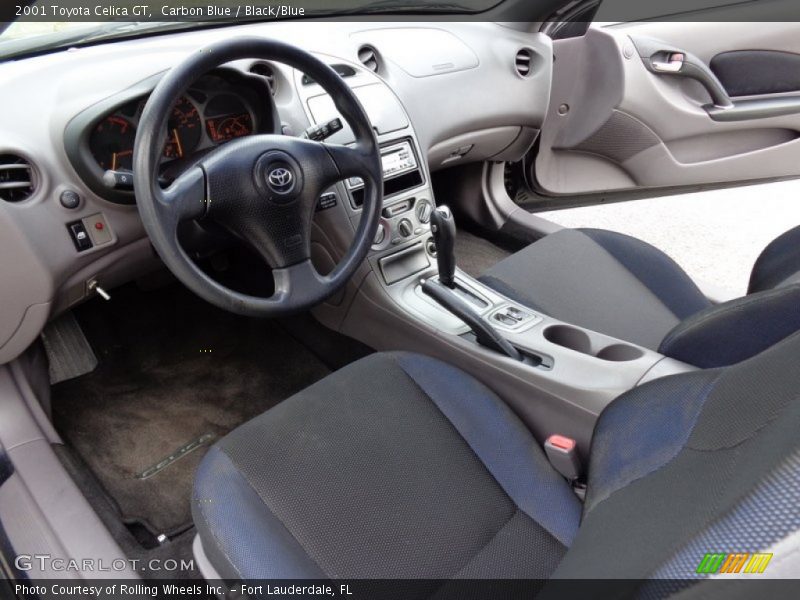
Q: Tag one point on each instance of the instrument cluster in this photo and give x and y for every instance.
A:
(201, 119)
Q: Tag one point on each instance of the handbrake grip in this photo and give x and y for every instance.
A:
(486, 334)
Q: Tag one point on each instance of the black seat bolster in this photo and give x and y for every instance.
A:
(734, 331)
(779, 263)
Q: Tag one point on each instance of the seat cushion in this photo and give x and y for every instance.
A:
(600, 280)
(395, 466)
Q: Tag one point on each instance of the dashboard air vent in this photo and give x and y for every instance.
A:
(368, 56)
(524, 62)
(266, 71)
(17, 178)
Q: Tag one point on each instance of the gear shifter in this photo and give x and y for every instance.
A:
(443, 228)
(450, 296)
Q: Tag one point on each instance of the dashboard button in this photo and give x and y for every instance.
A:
(424, 209)
(80, 237)
(326, 201)
(396, 209)
(405, 228)
(98, 229)
(70, 199)
(380, 235)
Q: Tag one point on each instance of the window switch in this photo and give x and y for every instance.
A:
(516, 314)
(80, 237)
(505, 319)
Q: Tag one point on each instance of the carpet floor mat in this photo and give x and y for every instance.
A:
(174, 375)
(475, 255)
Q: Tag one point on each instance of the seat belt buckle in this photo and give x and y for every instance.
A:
(562, 452)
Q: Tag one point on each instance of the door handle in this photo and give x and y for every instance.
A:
(663, 59)
(673, 65)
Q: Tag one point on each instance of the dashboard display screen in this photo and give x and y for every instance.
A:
(397, 159)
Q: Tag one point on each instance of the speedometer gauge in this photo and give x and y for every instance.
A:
(184, 129)
(111, 143)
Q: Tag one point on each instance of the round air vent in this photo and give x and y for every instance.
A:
(368, 56)
(17, 178)
(266, 71)
(524, 62)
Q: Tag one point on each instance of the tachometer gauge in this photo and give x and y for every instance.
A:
(183, 130)
(111, 143)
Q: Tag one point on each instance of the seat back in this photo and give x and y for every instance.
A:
(728, 333)
(734, 331)
(698, 463)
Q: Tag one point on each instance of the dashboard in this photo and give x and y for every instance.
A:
(438, 94)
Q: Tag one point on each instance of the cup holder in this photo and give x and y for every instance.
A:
(579, 341)
(620, 353)
(569, 337)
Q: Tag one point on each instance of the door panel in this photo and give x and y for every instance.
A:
(757, 72)
(619, 123)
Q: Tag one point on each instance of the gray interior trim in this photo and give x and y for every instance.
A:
(41, 508)
(201, 561)
(672, 108)
(761, 108)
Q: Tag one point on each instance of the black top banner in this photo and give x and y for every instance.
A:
(95, 11)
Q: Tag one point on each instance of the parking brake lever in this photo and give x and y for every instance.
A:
(484, 332)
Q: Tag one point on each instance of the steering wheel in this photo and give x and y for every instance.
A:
(262, 188)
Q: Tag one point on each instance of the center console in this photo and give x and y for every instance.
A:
(556, 376)
(566, 375)
(401, 245)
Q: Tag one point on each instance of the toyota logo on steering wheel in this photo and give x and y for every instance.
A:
(280, 180)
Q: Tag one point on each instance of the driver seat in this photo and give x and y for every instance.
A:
(401, 466)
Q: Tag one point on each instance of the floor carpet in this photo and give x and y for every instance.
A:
(474, 255)
(173, 370)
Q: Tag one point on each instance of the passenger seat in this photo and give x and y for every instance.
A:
(621, 286)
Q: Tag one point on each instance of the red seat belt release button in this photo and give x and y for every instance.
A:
(562, 452)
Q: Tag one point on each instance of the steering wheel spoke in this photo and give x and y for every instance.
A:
(299, 283)
(350, 161)
(186, 197)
